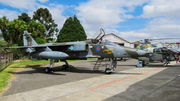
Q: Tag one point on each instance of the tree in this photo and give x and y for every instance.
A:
(3, 27)
(37, 31)
(44, 16)
(15, 30)
(12, 31)
(3, 43)
(25, 18)
(72, 30)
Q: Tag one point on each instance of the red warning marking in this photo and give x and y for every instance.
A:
(125, 79)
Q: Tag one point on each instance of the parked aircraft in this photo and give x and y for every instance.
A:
(161, 53)
(91, 48)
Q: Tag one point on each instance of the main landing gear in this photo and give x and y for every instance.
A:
(110, 66)
(50, 68)
(113, 64)
(65, 67)
(166, 63)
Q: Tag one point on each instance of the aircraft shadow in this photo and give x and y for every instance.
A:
(35, 69)
(57, 70)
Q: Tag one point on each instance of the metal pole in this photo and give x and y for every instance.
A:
(5, 58)
(12, 57)
(176, 58)
(8, 56)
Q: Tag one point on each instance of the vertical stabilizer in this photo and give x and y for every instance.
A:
(28, 40)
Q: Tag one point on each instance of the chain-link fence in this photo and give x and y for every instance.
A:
(6, 58)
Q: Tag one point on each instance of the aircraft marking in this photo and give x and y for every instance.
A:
(90, 46)
(29, 44)
(138, 47)
(98, 48)
(102, 47)
(146, 45)
(71, 48)
(108, 51)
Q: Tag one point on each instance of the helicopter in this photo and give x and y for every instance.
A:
(160, 53)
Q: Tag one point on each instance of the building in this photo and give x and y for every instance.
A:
(116, 39)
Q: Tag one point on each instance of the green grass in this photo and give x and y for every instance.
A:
(7, 74)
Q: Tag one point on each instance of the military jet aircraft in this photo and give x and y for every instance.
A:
(91, 48)
(159, 52)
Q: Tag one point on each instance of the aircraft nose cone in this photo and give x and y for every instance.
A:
(63, 54)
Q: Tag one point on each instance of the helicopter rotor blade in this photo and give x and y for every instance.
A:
(163, 39)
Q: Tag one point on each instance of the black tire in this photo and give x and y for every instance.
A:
(165, 64)
(106, 71)
(47, 70)
(65, 67)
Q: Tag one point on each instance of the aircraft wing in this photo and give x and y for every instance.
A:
(39, 46)
(43, 47)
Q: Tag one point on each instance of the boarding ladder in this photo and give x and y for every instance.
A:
(98, 64)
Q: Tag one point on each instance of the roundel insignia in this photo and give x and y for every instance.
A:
(138, 47)
(98, 48)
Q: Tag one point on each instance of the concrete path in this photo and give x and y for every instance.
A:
(136, 84)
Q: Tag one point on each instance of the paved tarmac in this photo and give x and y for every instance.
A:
(80, 83)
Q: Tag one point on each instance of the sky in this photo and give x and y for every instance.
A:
(129, 19)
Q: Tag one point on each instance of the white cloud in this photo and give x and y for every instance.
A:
(42, 1)
(156, 28)
(21, 4)
(96, 14)
(164, 27)
(165, 22)
(166, 8)
(105, 14)
(9, 14)
(129, 35)
(32, 5)
(56, 12)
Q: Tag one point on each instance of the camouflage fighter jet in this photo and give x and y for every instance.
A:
(91, 48)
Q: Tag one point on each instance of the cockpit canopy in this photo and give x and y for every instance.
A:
(98, 35)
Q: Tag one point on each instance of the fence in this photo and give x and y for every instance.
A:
(6, 58)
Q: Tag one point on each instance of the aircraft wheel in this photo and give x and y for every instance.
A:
(108, 71)
(165, 64)
(65, 67)
(47, 70)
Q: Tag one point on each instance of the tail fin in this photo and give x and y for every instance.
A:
(28, 40)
